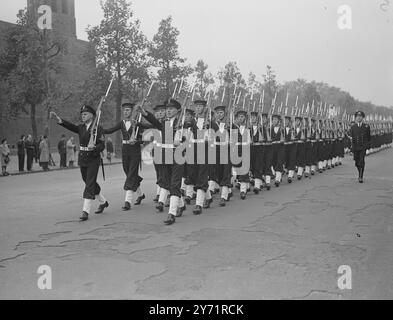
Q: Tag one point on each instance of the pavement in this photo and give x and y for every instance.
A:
(287, 243)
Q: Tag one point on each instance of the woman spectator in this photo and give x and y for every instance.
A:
(44, 154)
(71, 152)
(4, 157)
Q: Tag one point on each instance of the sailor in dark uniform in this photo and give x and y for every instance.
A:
(221, 174)
(89, 158)
(242, 139)
(289, 148)
(300, 138)
(172, 169)
(131, 154)
(256, 165)
(276, 135)
(360, 134)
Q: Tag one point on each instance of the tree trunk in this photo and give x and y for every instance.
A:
(33, 120)
(119, 97)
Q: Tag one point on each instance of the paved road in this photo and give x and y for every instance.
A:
(284, 244)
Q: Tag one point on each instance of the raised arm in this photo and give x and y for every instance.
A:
(68, 125)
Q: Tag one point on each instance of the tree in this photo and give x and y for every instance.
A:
(165, 55)
(27, 66)
(270, 83)
(203, 78)
(121, 47)
(230, 76)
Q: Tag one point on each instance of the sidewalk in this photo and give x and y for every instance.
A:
(13, 169)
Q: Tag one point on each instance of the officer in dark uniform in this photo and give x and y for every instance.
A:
(89, 158)
(360, 134)
(131, 153)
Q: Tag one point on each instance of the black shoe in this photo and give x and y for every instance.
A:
(187, 200)
(329, 167)
(313, 173)
(207, 203)
(197, 211)
(127, 206)
(155, 200)
(139, 200)
(170, 220)
(257, 190)
(160, 207)
(230, 195)
(289, 180)
(180, 211)
(167, 204)
(306, 175)
(299, 177)
(222, 202)
(243, 195)
(102, 207)
(84, 216)
(320, 170)
(268, 187)
(360, 180)
(277, 183)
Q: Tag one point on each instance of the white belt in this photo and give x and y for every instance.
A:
(276, 142)
(128, 142)
(198, 140)
(314, 141)
(287, 143)
(168, 145)
(84, 149)
(221, 143)
(242, 143)
(258, 143)
(299, 141)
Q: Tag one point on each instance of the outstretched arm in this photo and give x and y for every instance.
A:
(68, 125)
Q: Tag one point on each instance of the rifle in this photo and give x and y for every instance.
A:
(96, 122)
(183, 111)
(135, 132)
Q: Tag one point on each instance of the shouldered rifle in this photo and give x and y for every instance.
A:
(96, 122)
(139, 117)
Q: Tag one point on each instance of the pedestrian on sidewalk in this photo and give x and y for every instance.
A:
(4, 157)
(21, 153)
(71, 152)
(30, 149)
(44, 154)
(62, 148)
(361, 138)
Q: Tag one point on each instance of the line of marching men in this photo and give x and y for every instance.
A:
(218, 147)
(296, 146)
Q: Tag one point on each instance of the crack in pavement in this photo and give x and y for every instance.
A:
(13, 258)
(25, 242)
(317, 291)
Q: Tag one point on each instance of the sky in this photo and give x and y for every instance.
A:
(298, 38)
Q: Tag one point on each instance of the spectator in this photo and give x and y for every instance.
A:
(4, 157)
(44, 154)
(62, 148)
(29, 145)
(71, 152)
(21, 153)
(37, 150)
(109, 149)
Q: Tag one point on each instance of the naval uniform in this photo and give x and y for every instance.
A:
(89, 162)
